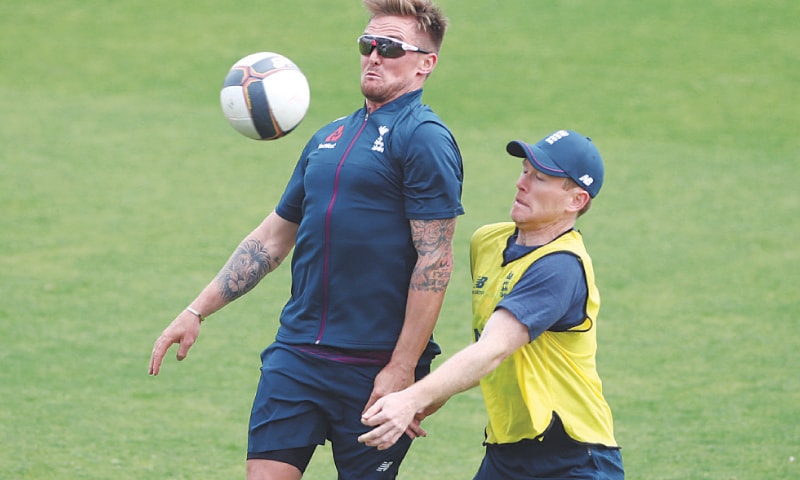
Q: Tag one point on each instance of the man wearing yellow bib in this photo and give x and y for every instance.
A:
(535, 312)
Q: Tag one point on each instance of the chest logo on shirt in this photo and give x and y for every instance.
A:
(504, 289)
(330, 140)
(480, 283)
(336, 135)
(378, 145)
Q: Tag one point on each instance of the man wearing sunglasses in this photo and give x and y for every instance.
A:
(370, 212)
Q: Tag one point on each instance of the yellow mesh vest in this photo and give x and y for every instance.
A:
(553, 373)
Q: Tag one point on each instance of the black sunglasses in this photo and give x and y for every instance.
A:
(387, 47)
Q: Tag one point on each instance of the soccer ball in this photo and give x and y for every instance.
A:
(265, 96)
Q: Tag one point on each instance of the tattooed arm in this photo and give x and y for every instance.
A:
(259, 253)
(433, 240)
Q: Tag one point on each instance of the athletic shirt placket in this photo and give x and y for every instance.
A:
(328, 215)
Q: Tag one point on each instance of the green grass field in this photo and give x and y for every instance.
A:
(123, 190)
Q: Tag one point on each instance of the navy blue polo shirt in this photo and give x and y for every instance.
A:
(358, 182)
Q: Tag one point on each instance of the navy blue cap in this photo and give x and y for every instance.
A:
(564, 153)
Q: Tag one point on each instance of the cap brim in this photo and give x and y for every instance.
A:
(538, 158)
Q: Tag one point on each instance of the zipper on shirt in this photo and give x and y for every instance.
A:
(328, 214)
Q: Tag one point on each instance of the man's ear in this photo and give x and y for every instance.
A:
(579, 199)
(429, 63)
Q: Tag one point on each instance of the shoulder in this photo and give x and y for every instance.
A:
(335, 128)
(560, 264)
(418, 119)
(555, 279)
(489, 236)
(493, 230)
(426, 122)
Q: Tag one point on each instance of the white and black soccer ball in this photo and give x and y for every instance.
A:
(265, 96)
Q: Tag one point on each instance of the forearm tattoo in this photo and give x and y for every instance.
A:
(433, 240)
(247, 266)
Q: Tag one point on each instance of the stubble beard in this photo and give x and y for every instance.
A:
(374, 93)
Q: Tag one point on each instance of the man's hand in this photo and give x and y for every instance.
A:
(391, 416)
(392, 378)
(184, 331)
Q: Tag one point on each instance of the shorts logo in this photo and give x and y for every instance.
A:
(384, 467)
(378, 145)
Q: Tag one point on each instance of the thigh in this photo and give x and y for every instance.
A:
(275, 463)
(259, 469)
(354, 460)
(286, 412)
(607, 463)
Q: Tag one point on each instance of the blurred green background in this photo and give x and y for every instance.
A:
(123, 190)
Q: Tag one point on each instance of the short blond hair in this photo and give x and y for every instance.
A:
(430, 18)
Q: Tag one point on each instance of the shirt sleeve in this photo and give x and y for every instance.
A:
(433, 174)
(290, 205)
(551, 295)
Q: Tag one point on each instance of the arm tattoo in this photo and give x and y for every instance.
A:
(433, 240)
(247, 266)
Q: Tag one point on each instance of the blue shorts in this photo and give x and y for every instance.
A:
(304, 399)
(557, 456)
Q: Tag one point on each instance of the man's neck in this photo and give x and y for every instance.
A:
(542, 235)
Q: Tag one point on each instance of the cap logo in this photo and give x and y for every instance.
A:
(554, 137)
(586, 179)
